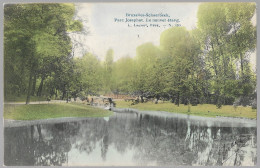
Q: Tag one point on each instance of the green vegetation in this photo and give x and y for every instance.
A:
(45, 111)
(207, 65)
(206, 110)
(37, 49)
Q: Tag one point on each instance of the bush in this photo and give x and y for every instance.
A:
(254, 104)
(219, 105)
(245, 101)
(82, 95)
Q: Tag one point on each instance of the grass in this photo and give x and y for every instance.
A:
(45, 111)
(206, 110)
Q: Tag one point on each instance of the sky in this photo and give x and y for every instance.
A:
(104, 33)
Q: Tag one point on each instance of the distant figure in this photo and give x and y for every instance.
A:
(92, 100)
(110, 102)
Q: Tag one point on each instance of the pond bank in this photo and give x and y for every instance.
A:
(47, 111)
(224, 121)
(204, 110)
(204, 121)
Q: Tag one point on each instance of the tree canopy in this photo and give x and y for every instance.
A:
(209, 64)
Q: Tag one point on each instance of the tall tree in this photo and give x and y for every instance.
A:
(181, 56)
(108, 68)
(228, 36)
(40, 33)
(90, 74)
(145, 69)
(123, 76)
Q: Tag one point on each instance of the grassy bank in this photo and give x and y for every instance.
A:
(206, 110)
(44, 111)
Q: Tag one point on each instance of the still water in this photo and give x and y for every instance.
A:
(131, 139)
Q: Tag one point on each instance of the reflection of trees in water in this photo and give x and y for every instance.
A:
(217, 145)
(169, 141)
(38, 145)
(162, 141)
(17, 147)
(154, 140)
(88, 135)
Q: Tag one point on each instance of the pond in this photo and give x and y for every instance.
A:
(132, 139)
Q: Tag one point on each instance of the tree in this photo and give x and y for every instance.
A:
(228, 37)
(39, 33)
(181, 63)
(145, 70)
(123, 76)
(90, 74)
(108, 68)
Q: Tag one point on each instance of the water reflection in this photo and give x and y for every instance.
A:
(130, 139)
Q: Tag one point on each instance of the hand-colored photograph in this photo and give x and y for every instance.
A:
(130, 84)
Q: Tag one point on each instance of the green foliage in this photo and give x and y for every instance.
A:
(208, 64)
(182, 62)
(89, 72)
(37, 47)
(145, 68)
(123, 76)
(108, 68)
(228, 36)
(75, 26)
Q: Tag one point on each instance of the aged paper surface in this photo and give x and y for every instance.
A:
(130, 84)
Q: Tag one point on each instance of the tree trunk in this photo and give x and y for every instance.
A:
(241, 63)
(21, 81)
(63, 94)
(157, 99)
(39, 92)
(56, 94)
(32, 132)
(39, 132)
(178, 99)
(67, 97)
(142, 99)
(29, 86)
(34, 84)
(214, 60)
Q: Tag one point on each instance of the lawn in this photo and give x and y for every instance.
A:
(206, 110)
(44, 111)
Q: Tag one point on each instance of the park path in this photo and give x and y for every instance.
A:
(37, 102)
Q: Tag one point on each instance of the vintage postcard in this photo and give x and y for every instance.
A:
(130, 84)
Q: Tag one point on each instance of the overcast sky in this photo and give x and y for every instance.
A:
(105, 33)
